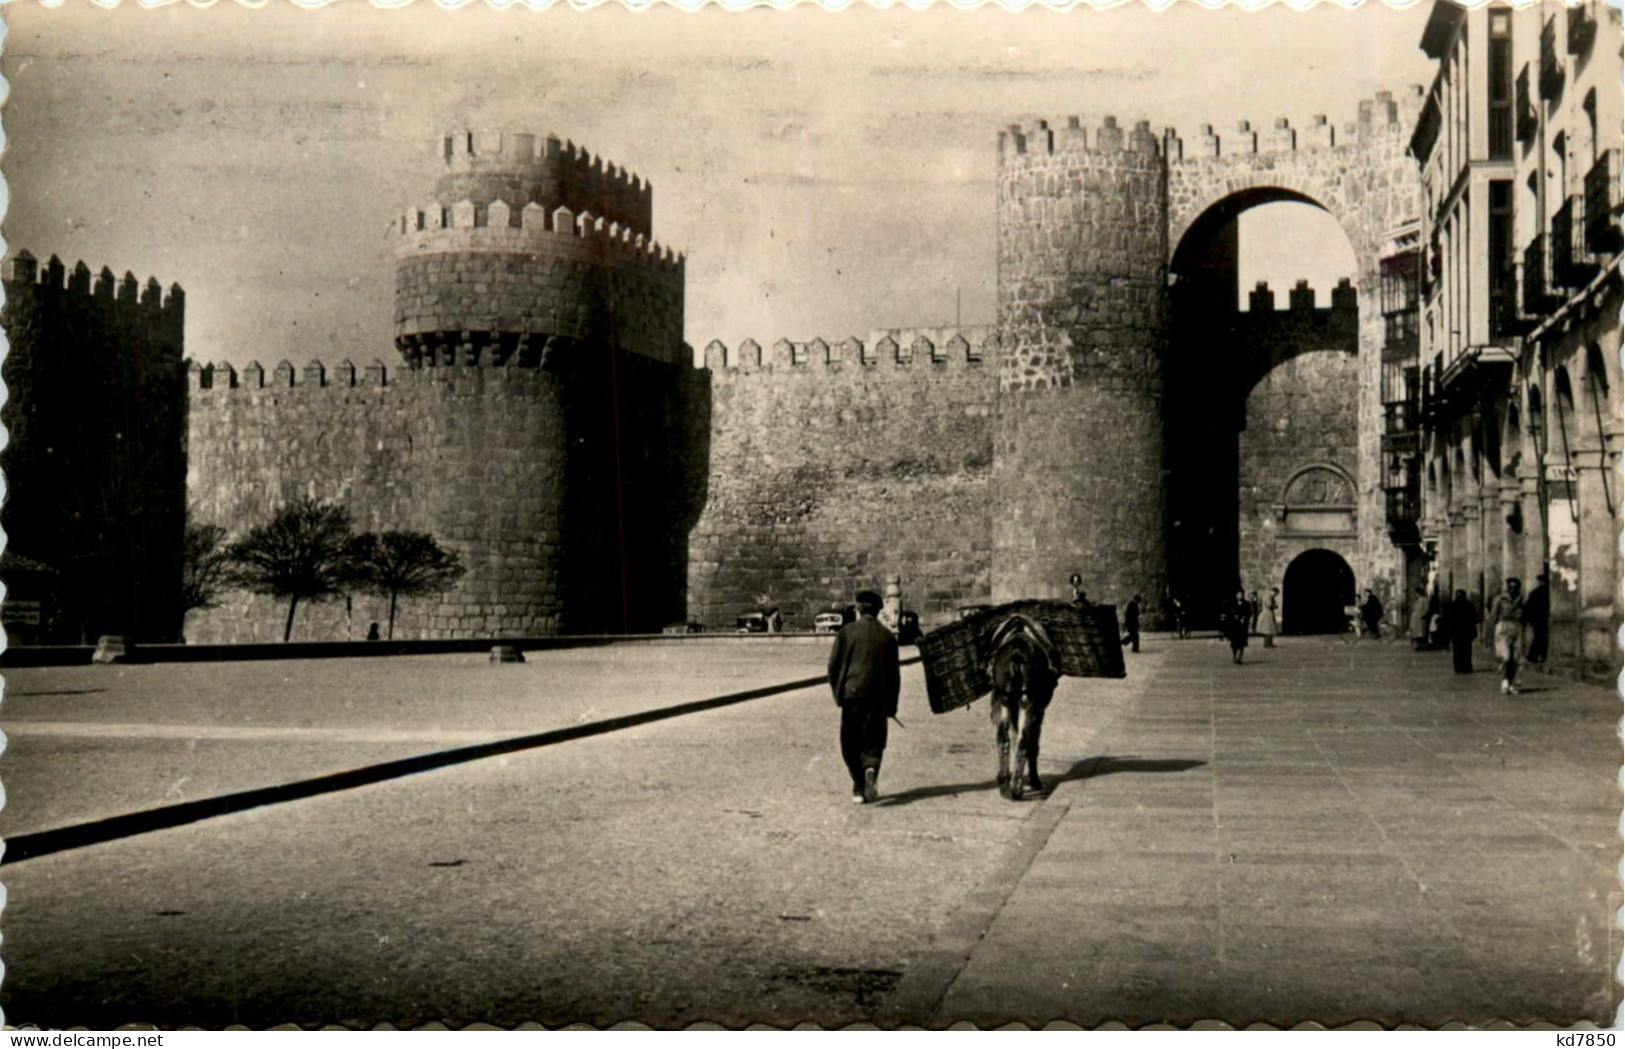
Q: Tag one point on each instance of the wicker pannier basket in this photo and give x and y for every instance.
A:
(956, 656)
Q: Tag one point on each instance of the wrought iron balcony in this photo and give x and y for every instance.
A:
(1573, 263)
(1400, 417)
(1540, 295)
(1551, 69)
(1582, 28)
(1602, 202)
(1399, 335)
(1404, 506)
(1506, 313)
(1523, 107)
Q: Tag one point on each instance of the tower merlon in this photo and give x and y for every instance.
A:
(24, 267)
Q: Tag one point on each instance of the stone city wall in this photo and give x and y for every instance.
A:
(475, 456)
(95, 491)
(1301, 415)
(836, 464)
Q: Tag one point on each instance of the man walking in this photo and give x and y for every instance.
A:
(1461, 625)
(865, 676)
(1506, 625)
(1537, 612)
(1371, 615)
(1131, 624)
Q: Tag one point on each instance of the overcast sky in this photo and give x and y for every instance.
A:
(826, 173)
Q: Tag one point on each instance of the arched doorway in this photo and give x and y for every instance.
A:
(1317, 586)
(1250, 380)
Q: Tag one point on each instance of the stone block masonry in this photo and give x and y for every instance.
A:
(834, 464)
(1302, 416)
(566, 522)
(548, 425)
(1083, 305)
(95, 465)
(1360, 174)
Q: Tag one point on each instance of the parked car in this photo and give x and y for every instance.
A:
(752, 623)
(967, 611)
(830, 620)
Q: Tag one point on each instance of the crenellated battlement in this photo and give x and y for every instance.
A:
(221, 375)
(1301, 298)
(466, 225)
(1040, 139)
(103, 289)
(531, 245)
(1383, 116)
(931, 349)
(521, 168)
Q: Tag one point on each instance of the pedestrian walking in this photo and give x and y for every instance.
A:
(1506, 631)
(1257, 608)
(1131, 624)
(865, 676)
(1234, 621)
(1461, 626)
(1418, 620)
(1179, 619)
(1371, 615)
(1537, 613)
(775, 622)
(1270, 623)
(1079, 598)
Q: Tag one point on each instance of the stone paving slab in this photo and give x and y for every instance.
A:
(1357, 834)
(132, 737)
(709, 868)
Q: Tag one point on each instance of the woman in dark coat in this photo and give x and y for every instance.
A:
(1236, 621)
(1461, 622)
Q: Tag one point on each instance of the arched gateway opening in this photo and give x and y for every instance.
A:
(1257, 384)
(1317, 587)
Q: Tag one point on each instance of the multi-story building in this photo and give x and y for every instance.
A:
(1519, 144)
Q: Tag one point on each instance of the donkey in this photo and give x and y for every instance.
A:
(1023, 670)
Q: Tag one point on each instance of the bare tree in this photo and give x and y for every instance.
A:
(402, 564)
(302, 554)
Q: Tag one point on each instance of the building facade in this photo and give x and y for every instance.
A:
(1519, 145)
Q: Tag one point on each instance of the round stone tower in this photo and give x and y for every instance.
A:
(1083, 304)
(529, 247)
(530, 292)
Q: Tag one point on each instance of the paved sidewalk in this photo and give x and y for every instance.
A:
(1326, 833)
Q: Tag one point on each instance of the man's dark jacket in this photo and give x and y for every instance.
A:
(863, 666)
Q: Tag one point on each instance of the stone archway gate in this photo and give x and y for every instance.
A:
(1362, 176)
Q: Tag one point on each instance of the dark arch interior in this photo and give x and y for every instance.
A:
(1205, 400)
(1193, 257)
(1317, 587)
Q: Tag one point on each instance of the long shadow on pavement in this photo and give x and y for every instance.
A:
(94, 832)
(1087, 768)
(942, 790)
(1107, 764)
